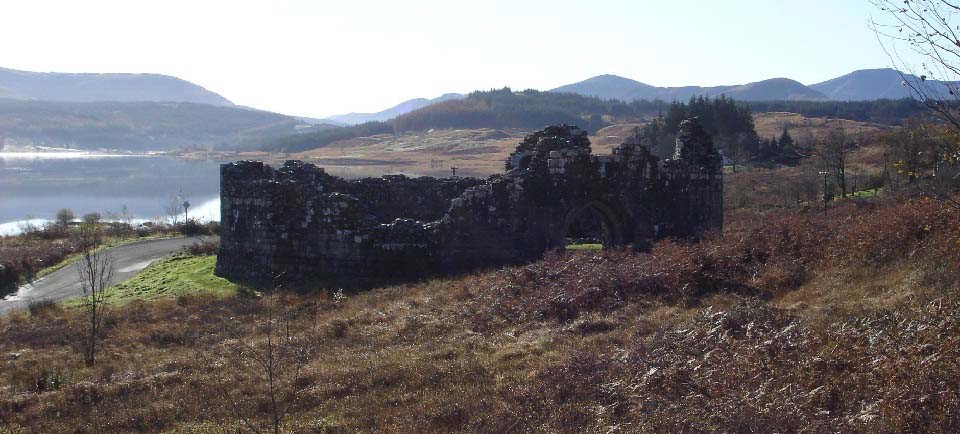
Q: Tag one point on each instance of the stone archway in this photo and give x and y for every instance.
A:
(613, 226)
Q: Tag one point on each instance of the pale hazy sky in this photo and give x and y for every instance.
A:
(317, 58)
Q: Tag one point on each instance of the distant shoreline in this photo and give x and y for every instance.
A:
(46, 151)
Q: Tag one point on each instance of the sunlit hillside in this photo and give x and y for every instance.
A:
(845, 322)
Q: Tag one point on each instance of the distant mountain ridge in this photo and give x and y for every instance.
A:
(861, 85)
(868, 84)
(616, 87)
(92, 87)
(392, 112)
(158, 112)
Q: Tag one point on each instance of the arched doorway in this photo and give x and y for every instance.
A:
(591, 226)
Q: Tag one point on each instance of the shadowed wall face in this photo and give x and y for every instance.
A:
(302, 223)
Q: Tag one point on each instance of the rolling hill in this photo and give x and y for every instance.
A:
(772, 89)
(869, 84)
(86, 87)
(138, 112)
(505, 109)
(135, 126)
(130, 112)
(392, 112)
(862, 85)
(612, 87)
(616, 87)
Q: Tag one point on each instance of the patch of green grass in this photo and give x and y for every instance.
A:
(862, 194)
(585, 247)
(867, 193)
(171, 277)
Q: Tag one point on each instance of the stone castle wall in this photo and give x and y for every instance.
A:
(299, 222)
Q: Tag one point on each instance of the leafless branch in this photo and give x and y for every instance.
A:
(95, 268)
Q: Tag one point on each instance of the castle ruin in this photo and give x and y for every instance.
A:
(303, 223)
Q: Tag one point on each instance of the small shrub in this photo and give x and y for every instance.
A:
(783, 276)
(193, 228)
(144, 231)
(65, 216)
(203, 248)
(50, 380)
(591, 327)
(40, 306)
(171, 335)
(213, 228)
(338, 329)
(117, 229)
(92, 218)
(8, 279)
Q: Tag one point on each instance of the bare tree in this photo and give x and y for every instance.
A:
(800, 189)
(125, 217)
(925, 30)
(928, 30)
(173, 208)
(65, 216)
(918, 151)
(95, 268)
(834, 150)
(914, 149)
(92, 218)
(805, 139)
(271, 365)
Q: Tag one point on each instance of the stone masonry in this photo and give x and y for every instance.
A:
(304, 224)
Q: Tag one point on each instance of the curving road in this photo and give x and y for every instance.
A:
(65, 282)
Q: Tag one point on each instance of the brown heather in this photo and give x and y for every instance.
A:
(22, 257)
(789, 322)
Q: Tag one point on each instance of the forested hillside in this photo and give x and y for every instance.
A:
(531, 109)
(317, 139)
(135, 126)
(495, 109)
(882, 111)
(727, 119)
(612, 86)
(392, 112)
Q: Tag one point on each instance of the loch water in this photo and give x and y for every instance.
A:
(34, 185)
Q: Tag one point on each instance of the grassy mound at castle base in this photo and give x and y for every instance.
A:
(176, 276)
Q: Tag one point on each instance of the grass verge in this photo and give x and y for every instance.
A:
(175, 276)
